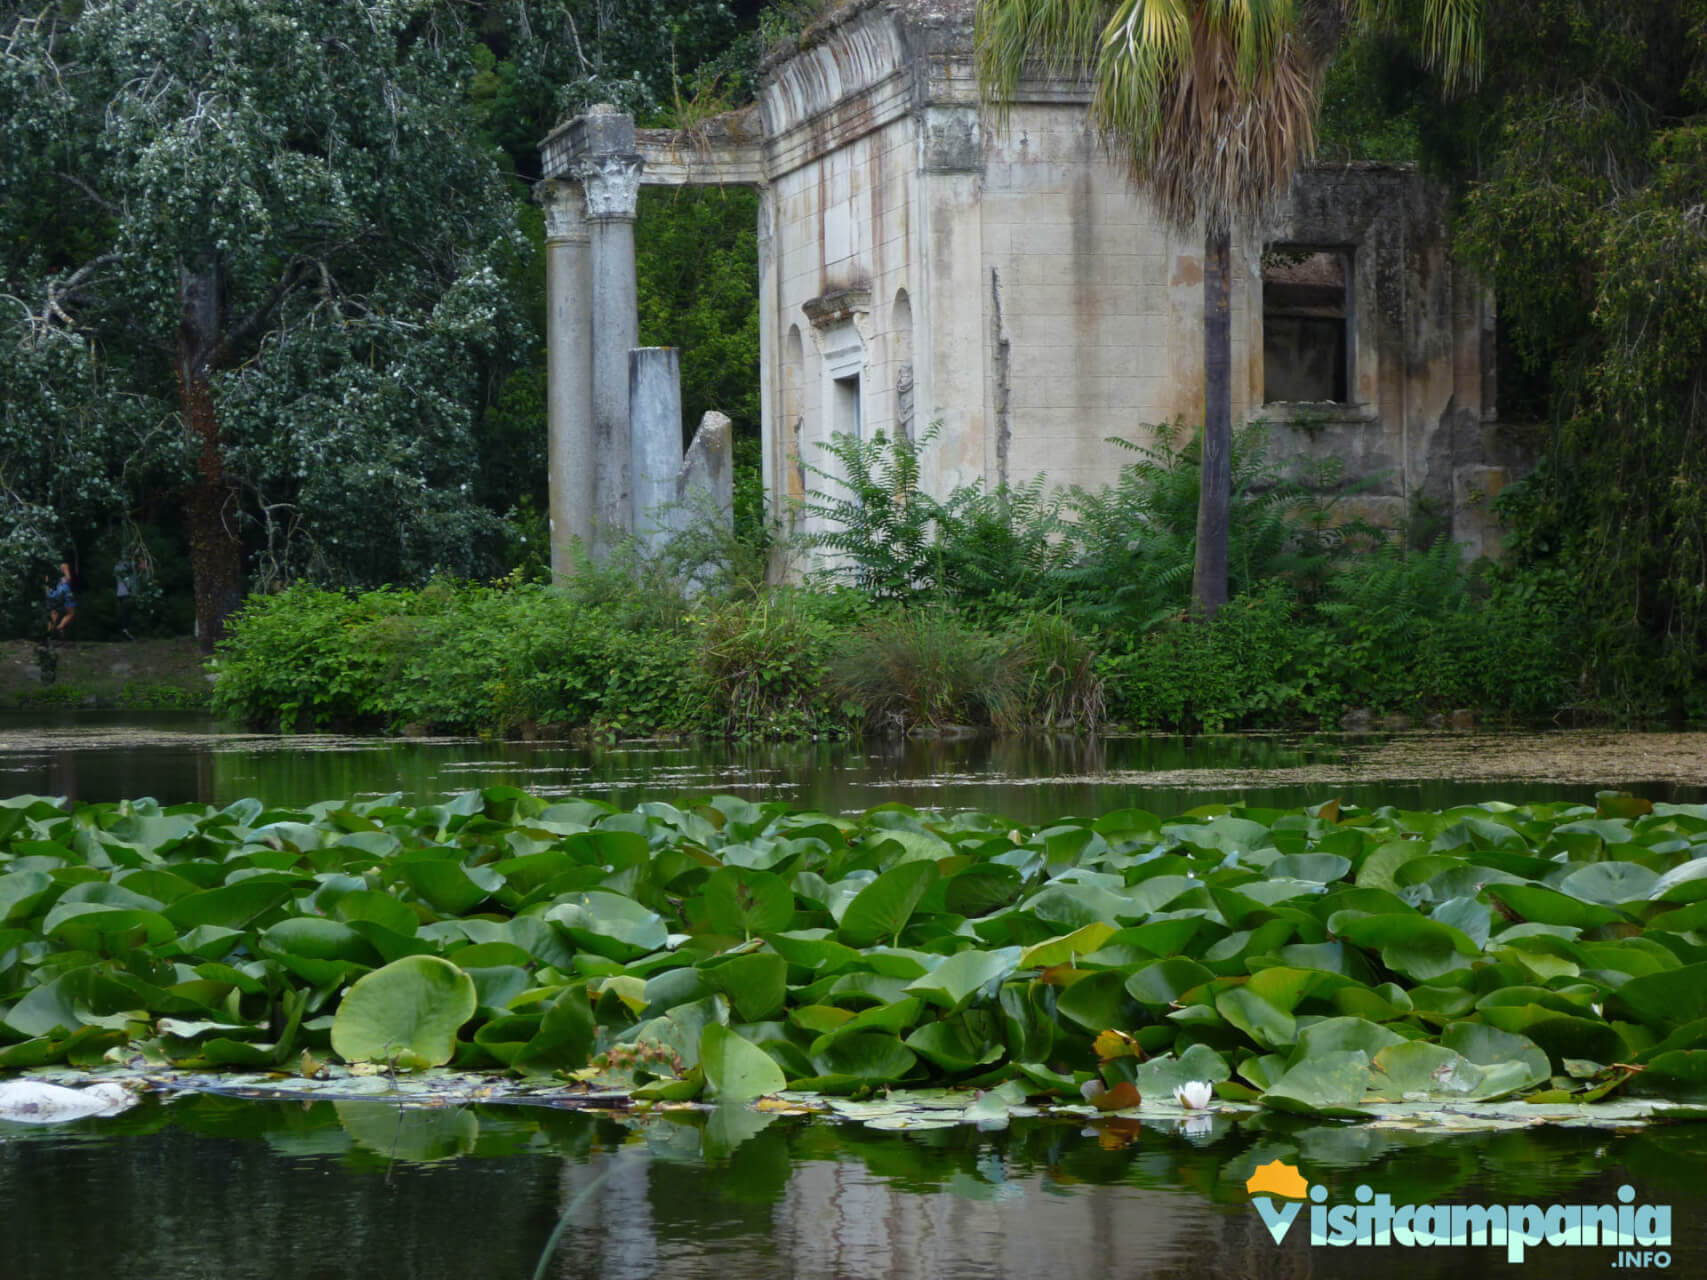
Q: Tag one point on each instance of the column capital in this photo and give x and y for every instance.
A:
(565, 206)
(612, 184)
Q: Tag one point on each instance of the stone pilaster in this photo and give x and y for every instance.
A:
(569, 369)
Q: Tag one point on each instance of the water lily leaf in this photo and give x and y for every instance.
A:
(1322, 1084)
(1160, 985)
(756, 984)
(1321, 868)
(1096, 1003)
(447, 886)
(407, 1012)
(496, 985)
(1269, 1027)
(46, 1010)
(1380, 867)
(565, 1036)
(963, 975)
(981, 889)
(1610, 883)
(736, 1070)
(883, 907)
(22, 893)
(1561, 1035)
(743, 903)
(230, 906)
(1680, 1076)
(1549, 906)
(1343, 1035)
(1415, 1067)
(958, 1044)
(609, 924)
(1067, 948)
(92, 926)
(1667, 998)
(1412, 945)
(1158, 1077)
(813, 950)
(866, 1055)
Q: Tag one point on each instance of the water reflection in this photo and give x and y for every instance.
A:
(110, 756)
(208, 1186)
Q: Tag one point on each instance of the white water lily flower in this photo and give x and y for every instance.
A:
(1195, 1095)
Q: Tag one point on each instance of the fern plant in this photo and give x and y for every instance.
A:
(874, 520)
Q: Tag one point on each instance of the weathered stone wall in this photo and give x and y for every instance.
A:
(920, 264)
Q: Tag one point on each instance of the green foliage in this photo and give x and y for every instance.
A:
(1587, 146)
(921, 667)
(1329, 960)
(697, 264)
(878, 528)
(1137, 538)
(763, 664)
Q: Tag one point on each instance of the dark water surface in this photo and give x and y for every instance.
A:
(104, 756)
(216, 1187)
(221, 1187)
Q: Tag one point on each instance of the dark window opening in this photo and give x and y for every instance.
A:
(846, 409)
(1306, 331)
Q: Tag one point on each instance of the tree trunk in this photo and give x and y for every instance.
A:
(1209, 579)
(216, 556)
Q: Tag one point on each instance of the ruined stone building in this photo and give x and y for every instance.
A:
(918, 263)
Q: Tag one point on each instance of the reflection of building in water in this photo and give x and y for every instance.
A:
(844, 1220)
(918, 263)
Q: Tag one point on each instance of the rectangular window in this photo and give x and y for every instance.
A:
(845, 412)
(1306, 324)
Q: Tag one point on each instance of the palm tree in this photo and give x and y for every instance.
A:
(1210, 105)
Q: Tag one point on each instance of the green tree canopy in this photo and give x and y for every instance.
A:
(273, 221)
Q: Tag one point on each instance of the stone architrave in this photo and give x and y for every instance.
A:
(569, 370)
(611, 180)
(655, 436)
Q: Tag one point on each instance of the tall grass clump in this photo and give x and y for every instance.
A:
(762, 666)
(922, 667)
(1050, 679)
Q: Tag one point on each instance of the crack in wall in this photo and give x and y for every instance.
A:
(1002, 369)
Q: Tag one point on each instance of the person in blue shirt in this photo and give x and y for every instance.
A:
(61, 603)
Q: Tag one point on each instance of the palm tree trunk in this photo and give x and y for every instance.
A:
(1209, 579)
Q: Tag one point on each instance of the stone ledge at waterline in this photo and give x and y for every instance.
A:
(1487, 964)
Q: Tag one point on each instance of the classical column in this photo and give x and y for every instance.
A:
(569, 370)
(655, 426)
(611, 180)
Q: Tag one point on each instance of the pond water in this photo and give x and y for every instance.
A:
(217, 1186)
(96, 756)
(214, 1186)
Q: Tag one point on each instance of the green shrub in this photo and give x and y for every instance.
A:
(1241, 669)
(921, 667)
(1051, 678)
(762, 668)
